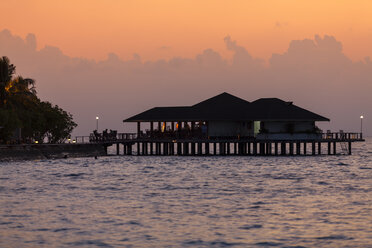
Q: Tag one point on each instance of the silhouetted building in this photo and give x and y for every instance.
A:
(227, 116)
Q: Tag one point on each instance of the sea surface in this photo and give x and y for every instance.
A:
(155, 201)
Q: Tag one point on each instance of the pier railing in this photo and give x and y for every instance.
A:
(342, 136)
(101, 138)
(125, 137)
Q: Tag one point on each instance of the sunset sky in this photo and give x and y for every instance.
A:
(115, 58)
(166, 28)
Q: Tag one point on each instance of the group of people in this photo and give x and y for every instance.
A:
(104, 136)
(199, 130)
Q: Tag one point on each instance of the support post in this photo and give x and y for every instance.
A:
(298, 148)
(313, 147)
(179, 148)
(329, 148)
(156, 148)
(319, 148)
(193, 148)
(185, 148)
(291, 148)
(269, 148)
(349, 145)
(179, 127)
(171, 148)
(166, 148)
(276, 148)
(283, 148)
(262, 148)
(143, 148)
(130, 149)
(334, 147)
(206, 148)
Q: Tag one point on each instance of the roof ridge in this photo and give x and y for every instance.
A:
(219, 96)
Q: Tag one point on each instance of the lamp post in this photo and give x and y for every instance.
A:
(97, 118)
(361, 124)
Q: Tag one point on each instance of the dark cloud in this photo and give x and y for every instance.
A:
(314, 73)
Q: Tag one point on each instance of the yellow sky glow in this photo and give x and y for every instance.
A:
(165, 28)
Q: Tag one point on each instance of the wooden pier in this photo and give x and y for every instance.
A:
(142, 145)
(227, 125)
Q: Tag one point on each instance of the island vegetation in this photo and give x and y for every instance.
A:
(24, 118)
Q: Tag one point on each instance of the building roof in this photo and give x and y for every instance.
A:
(226, 107)
(277, 109)
(163, 114)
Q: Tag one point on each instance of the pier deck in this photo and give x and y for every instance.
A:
(134, 144)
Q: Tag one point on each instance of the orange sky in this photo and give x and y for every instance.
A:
(166, 28)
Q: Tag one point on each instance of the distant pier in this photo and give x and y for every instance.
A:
(227, 125)
(142, 145)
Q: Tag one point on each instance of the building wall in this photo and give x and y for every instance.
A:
(289, 127)
(232, 128)
(250, 129)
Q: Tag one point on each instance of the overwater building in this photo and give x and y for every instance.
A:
(228, 125)
(227, 116)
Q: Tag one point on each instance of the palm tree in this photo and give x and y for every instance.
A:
(21, 108)
(7, 71)
(20, 86)
(10, 86)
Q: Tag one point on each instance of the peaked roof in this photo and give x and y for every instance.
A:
(277, 109)
(162, 114)
(223, 100)
(226, 107)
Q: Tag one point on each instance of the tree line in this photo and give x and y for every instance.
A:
(23, 116)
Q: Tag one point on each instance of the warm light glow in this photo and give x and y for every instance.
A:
(166, 28)
(74, 141)
(36, 142)
(97, 117)
(361, 117)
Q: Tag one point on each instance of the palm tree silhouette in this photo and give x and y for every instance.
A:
(10, 86)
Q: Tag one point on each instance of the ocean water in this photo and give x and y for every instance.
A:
(118, 201)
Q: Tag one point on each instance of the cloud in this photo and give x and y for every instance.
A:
(242, 59)
(313, 73)
(31, 41)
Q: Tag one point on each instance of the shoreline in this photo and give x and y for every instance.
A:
(9, 153)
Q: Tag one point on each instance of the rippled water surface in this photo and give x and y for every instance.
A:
(323, 201)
